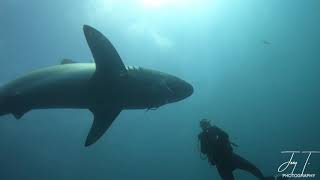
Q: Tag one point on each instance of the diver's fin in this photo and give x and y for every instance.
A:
(275, 177)
(103, 118)
(107, 60)
(68, 61)
(269, 178)
(279, 177)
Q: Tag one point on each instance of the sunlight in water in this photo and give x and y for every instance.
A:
(156, 3)
(167, 3)
(150, 13)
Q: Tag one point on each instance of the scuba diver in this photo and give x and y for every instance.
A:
(215, 144)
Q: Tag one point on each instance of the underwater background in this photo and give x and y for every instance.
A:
(254, 66)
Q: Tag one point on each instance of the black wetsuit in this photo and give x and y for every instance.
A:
(216, 145)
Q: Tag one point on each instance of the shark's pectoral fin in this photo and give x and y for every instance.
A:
(103, 118)
(107, 60)
(13, 104)
(19, 113)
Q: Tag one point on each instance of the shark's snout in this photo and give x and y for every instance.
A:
(180, 89)
(189, 90)
(186, 90)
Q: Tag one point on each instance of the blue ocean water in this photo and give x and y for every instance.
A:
(254, 66)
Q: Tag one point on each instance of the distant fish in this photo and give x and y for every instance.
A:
(266, 42)
(67, 61)
(70, 61)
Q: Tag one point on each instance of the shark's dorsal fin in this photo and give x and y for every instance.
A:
(107, 60)
(103, 118)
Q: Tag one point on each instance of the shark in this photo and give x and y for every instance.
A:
(105, 87)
